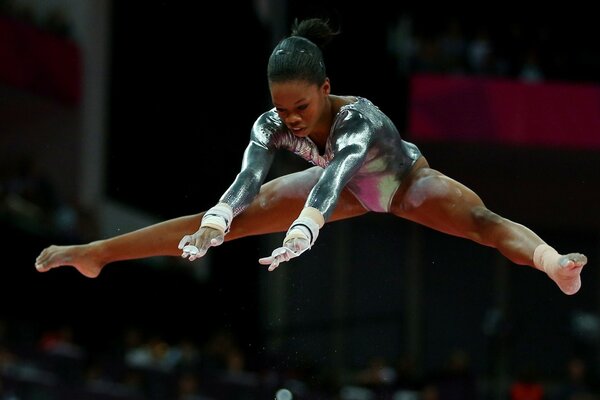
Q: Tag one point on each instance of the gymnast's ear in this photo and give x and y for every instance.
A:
(326, 87)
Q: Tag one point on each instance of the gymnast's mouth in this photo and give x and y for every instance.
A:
(297, 130)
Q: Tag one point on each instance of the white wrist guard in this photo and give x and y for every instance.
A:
(306, 226)
(218, 217)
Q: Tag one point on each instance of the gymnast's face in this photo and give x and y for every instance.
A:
(301, 105)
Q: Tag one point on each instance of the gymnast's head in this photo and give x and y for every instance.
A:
(299, 56)
(296, 69)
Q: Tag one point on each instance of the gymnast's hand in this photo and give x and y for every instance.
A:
(291, 248)
(300, 237)
(196, 245)
(213, 228)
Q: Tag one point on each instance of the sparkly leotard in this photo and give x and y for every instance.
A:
(364, 153)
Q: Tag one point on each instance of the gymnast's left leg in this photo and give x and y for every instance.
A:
(432, 199)
(275, 207)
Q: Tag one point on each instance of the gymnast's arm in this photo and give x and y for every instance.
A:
(326, 192)
(256, 164)
(216, 221)
(303, 232)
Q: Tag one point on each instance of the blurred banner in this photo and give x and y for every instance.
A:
(39, 62)
(502, 111)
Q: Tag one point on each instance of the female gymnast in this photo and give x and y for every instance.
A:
(361, 164)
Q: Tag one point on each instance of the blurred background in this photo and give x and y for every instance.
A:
(118, 114)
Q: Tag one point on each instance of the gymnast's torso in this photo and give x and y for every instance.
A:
(364, 153)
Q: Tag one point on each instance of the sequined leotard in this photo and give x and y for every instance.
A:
(364, 152)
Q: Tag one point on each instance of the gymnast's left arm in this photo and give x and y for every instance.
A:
(319, 206)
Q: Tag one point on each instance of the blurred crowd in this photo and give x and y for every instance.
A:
(139, 364)
(531, 48)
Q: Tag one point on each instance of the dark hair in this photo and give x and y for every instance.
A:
(299, 56)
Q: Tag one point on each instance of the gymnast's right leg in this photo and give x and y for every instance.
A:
(276, 206)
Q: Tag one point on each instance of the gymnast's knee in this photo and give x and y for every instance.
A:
(291, 187)
(268, 195)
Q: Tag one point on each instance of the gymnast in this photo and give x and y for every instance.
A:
(360, 164)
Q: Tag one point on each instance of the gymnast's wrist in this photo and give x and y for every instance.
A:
(218, 217)
(314, 214)
(306, 226)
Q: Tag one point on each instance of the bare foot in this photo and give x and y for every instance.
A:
(78, 256)
(567, 272)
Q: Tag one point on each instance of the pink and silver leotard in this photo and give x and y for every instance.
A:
(364, 153)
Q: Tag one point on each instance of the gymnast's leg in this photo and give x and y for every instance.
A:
(280, 201)
(441, 203)
(277, 205)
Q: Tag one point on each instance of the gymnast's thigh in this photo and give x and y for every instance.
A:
(442, 203)
(281, 200)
